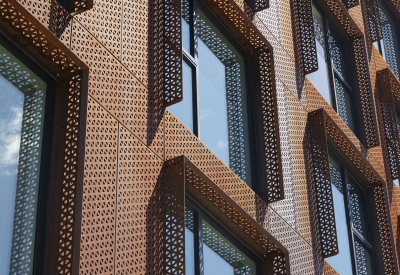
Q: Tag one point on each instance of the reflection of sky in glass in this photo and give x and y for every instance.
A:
(184, 109)
(185, 26)
(21, 125)
(213, 121)
(342, 261)
(10, 137)
(214, 264)
(320, 78)
(189, 252)
(221, 256)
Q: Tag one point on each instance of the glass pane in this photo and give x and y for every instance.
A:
(397, 182)
(363, 259)
(222, 257)
(343, 98)
(337, 55)
(390, 40)
(184, 109)
(22, 97)
(186, 39)
(357, 209)
(223, 119)
(189, 242)
(320, 78)
(342, 261)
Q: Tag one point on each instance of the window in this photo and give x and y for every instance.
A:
(23, 96)
(349, 199)
(215, 103)
(389, 45)
(332, 79)
(210, 248)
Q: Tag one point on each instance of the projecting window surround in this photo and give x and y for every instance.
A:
(215, 106)
(332, 78)
(211, 249)
(25, 116)
(351, 219)
(389, 45)
(240, 79)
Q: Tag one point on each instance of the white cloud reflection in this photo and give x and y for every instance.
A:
(10, 138)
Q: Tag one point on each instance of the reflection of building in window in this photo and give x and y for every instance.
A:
(332, 78)
(211, 249)
(351, 220)
(389, 45)
(215, 99)
(22, 97)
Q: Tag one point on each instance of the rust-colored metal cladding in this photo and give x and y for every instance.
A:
(74, 7)
(321, 125)
(180, 178)
(358, 62)
(372, 16)
(258, 5)
(329, 270)
(388, 89)
(172, 54)
(322, 181)
(123, 166)
(305, 36)
(385, 242)
(62, 246)
(264, 92)
(351, 3)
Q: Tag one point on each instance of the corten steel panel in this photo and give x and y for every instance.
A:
(351, 3)
(258, 5)
(322, 181)
(385, 244)
(67, 164)
(74, 7)
(264, 86)
(388, 89)
(97, 250)
(181, 177)
(139, 204)
(284, 207)
(296, 116)
(372, 17)
(329, 270)
(180, 141)
(172, 51)
(119, 91)
(338, 141)
(338, 14)
(323, 130)
(304, 35)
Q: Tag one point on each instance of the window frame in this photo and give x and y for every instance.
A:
(353, 233)
(396, 19)
(64, 205)
(191, 59)
(346, 81)
(199, 214)
(44, 178)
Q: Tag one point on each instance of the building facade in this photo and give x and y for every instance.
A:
(200, 137)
